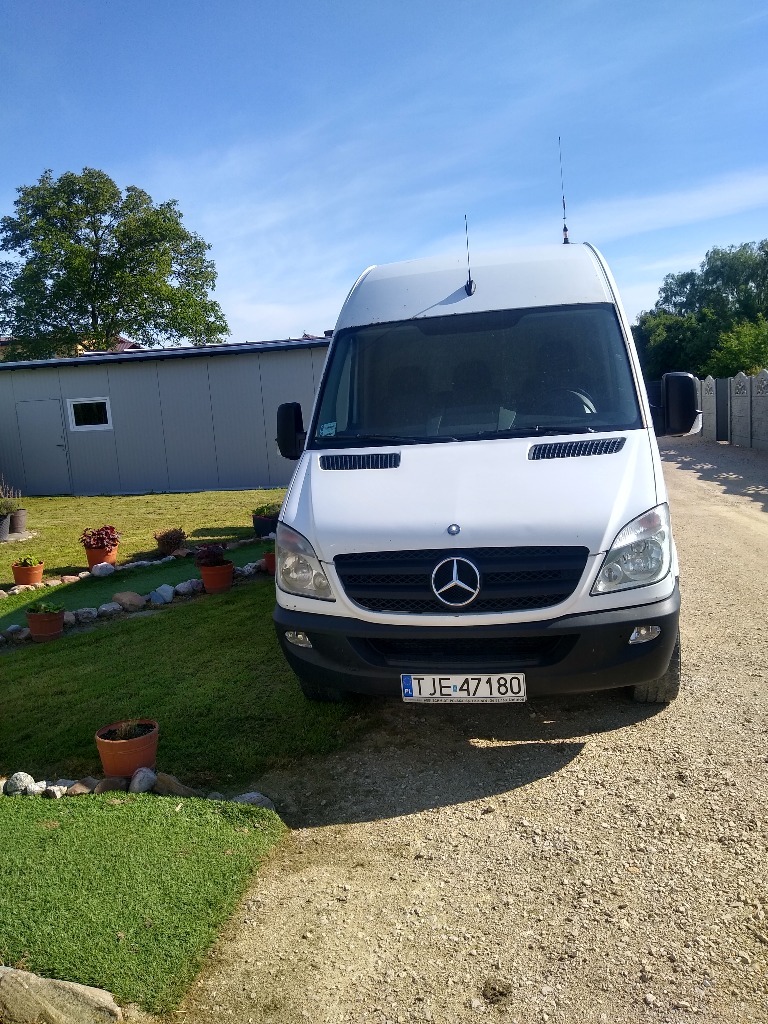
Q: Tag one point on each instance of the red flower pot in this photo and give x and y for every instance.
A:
(97, 555)
(27, 574)
(45, 626)
(217, 578)
(121, 758)
(269, 562)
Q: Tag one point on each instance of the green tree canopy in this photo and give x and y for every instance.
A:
(93, 263)
(698, 310)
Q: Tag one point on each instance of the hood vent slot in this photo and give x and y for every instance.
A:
(366, 460)
(575, 449)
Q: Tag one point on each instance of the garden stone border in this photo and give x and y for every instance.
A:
(127, 602)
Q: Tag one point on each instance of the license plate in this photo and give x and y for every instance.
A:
(461, 689)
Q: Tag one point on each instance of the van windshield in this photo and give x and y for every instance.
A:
(509, 373)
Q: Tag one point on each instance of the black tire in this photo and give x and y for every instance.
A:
(318, 692)
(665, 689)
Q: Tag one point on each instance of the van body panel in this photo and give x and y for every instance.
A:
(492, 490)
(542, 276)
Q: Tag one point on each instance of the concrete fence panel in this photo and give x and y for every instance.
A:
(709, 409)
(741, 410)
(760, 410)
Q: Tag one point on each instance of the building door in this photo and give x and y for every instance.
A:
(44, 447)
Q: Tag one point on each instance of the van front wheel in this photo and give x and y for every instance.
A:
(665, 689)
(318, 692)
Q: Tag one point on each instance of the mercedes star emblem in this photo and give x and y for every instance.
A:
(456, 582)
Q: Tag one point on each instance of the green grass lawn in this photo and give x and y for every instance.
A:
(128, 893)
(124, 892)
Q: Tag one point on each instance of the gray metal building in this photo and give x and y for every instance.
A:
(169, 420)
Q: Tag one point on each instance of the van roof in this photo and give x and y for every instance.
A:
(551, 275)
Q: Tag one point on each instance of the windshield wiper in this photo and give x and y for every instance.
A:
(532, 431)
(350, 439)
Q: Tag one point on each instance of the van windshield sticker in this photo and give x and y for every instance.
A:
(327, 429)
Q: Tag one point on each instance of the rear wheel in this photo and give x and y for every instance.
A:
(319, 692)
(665, 689)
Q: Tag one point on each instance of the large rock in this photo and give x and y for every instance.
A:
(70, 619)
(129, 600)
(186, 588)
(87, 614)
(18, 784)
(27, 999)
(103, 569)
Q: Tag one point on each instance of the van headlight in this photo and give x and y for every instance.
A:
(298, 567)
(640, 555)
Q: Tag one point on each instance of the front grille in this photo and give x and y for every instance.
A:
(435, 654)
(576, 449)
(511, 579)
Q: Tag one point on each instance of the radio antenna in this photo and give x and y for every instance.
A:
(469, 287)
(566, 240)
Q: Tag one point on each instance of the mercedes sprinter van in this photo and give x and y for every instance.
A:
(478, 512)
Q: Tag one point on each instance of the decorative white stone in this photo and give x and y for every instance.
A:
(184, 589)
(83, 575)
(86, 614)
(2, 594)
(69, 619)
(102, 569)
(166, 591)
(18, 784)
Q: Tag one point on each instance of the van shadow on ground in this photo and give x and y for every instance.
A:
(422, 758)
(736, 470)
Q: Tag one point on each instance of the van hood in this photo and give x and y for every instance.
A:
(493, 490)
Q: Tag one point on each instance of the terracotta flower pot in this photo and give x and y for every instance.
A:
(269, 562)
(97, 555)
(217, 578)
(45, 626)
(122, 757)
(28, 574)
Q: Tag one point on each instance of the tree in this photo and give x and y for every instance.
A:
(697, 310)
(745, 347)
(93, 263)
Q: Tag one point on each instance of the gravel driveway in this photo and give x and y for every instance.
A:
(574, 860)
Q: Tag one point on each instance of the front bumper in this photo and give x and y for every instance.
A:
(573, 654)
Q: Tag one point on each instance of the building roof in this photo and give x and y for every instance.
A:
(197, 352)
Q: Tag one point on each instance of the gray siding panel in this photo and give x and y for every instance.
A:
(138, 420)
(92, 453)
(11, 465)
(190, 448)
(285, 377)
(238, 419)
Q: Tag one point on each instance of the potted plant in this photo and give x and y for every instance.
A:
(27, 570)
(7, 507)
(270, 561)
(265, 517)
(169, 541)
(217, 572)
(125, 746)
(100, 545)
(45, 621)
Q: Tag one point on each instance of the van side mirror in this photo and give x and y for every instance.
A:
(290, 430)
(680, 412)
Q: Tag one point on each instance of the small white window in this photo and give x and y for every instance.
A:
(89, 414)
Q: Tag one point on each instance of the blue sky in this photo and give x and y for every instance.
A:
(308, 140)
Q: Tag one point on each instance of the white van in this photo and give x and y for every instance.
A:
(478, 513)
